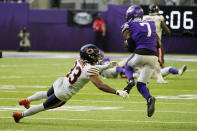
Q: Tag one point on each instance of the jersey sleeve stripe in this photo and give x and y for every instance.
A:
(92, 73)
(93, 70)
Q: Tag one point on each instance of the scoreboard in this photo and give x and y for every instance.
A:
(179, 19)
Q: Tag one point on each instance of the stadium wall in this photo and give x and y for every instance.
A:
(13, 17)
(50, 32)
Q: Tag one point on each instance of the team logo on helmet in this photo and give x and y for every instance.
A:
(89, 53)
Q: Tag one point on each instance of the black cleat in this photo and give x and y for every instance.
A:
(129, 86)
(182, 70)
(151, 106)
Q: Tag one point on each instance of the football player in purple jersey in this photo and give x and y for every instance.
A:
(144, 36)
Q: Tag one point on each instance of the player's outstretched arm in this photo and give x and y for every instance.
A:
(100, 85)
(165, 28)
(106, 66)
(159, 44)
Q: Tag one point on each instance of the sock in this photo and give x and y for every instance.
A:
(129, 72)
(37, 96)
(173, 71)
(33, 110)
(143, 90)
(120, 69)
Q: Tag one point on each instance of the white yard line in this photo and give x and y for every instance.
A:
(181, 112)
(41, 86)
(105, 120)
(174, 90)
(20, 86)
(9, 91)
(115, 101)
(128, 101)
(91, 108)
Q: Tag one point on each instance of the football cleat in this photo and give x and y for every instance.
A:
(25, 103)
(17, 116)
(151, 106)
(182, 70)
(129, 86)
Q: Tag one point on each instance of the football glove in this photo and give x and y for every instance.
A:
(122, 93)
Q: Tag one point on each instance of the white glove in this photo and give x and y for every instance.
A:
(122, 93)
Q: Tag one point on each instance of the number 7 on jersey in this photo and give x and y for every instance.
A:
(148, 27)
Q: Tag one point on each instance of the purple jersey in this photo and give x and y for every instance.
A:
(143, 33)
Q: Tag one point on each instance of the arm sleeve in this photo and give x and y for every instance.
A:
(103, 67)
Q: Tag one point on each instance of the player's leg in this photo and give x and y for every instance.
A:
(167, 70)
(158, 74)
(51, 102)
(96, 38)
(144, 77)
(136, 74)
(129, 70)
(161, 57)
(109, 73)
(121, 71)
(1, 54)
(182, 70)
(35, 97)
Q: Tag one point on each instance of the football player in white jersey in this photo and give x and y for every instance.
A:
(160, 27)
(64, 88)
(118, 69)
(164, 71)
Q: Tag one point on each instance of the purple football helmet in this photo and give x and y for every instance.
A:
(134, 11)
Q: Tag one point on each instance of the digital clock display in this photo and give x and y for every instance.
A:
(179, 19)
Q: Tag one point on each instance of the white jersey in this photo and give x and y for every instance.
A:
(66, 87)
(157, 20)
(110, 73)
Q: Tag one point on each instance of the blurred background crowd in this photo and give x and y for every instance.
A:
(99, 4)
